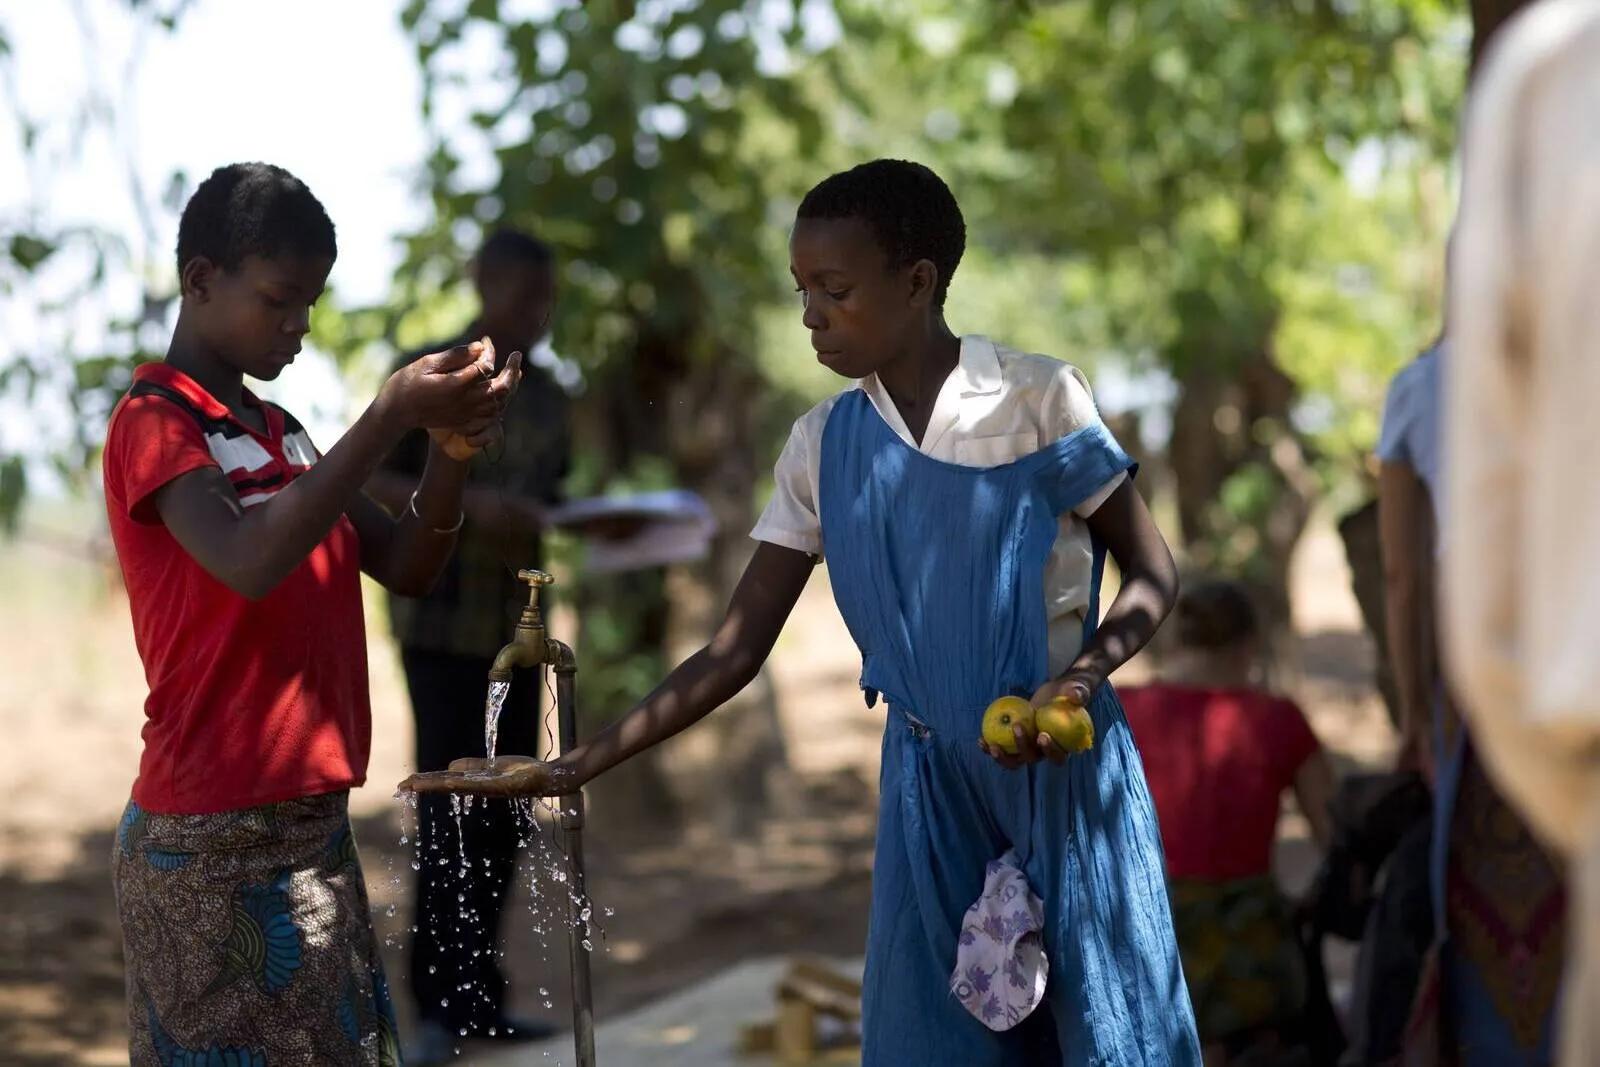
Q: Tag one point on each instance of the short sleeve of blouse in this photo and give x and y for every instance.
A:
(1399, 411)
(791, 518)
(1069, 407)
(150, 442)
(1293, 739)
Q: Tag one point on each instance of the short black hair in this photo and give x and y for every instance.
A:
(253, 209)
(1216, 613)
(507, 246)
(910, 210)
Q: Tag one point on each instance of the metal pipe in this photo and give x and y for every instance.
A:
(572, 818)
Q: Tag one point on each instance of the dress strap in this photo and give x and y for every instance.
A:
(1073, 468)
(1070, 471)
(1091, 614)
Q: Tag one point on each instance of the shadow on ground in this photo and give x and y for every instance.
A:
(683, 909)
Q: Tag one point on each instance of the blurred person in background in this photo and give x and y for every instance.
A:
(448, 640)
(1488, 989)
(1219, 752)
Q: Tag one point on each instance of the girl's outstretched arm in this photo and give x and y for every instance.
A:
(252, 550)
(766, 594)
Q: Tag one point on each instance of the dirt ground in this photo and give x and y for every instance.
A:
(71, 691)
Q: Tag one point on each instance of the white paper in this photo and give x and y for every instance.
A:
(676, 526)
(673, 504)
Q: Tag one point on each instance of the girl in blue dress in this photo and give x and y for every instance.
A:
(964, 497)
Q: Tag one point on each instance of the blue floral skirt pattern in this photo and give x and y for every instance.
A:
(248, 939)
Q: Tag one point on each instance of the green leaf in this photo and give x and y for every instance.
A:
(13, 491)
(28, 251)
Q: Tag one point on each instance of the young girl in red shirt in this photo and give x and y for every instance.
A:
(244, 916)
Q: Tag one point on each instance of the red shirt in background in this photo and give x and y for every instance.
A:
(250, 702)
(1218, 761)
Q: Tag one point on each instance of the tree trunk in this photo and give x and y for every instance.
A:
(699, 414)
(635, 798)
(1199, 455)
(623, 620)
(1237, 425)
(713, 428)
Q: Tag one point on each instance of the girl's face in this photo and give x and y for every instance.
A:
(255, 316)
(859, 310)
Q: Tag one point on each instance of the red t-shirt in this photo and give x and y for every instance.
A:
(1218, 761)
(251, 702)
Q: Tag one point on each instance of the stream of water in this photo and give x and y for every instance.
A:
(491, 714)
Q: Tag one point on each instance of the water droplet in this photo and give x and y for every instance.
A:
(493, 1031)
(543, 992)
(391, 911)
(405, 840)
(587, 947)
(433, 969)
(610, 912)
(548, 1004)
(462, 1031)
(444, 1002)
(416, 866)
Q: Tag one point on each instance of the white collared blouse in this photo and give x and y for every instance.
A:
(996, 406)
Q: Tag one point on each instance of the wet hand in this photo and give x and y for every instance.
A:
(504, 776)
(452, 389)
(467, 441)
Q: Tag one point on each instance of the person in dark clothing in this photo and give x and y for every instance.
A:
(447, 641)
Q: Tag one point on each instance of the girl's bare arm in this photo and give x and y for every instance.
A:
(766, 594)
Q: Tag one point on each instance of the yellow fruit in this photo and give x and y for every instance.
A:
(1001, 717)
(1068, 724)
(455, 446)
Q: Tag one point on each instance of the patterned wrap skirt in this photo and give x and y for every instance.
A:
(248, 940)
(1240, 956)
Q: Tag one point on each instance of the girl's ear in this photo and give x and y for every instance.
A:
(197, 277)
(924, 278)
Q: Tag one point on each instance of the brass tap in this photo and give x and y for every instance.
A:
(529, 647)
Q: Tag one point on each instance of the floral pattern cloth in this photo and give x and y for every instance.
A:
(249, 941)
(1001, 966)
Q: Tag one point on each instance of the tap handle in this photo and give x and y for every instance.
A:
(536, 580)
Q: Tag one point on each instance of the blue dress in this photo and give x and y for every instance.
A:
(938, 571)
